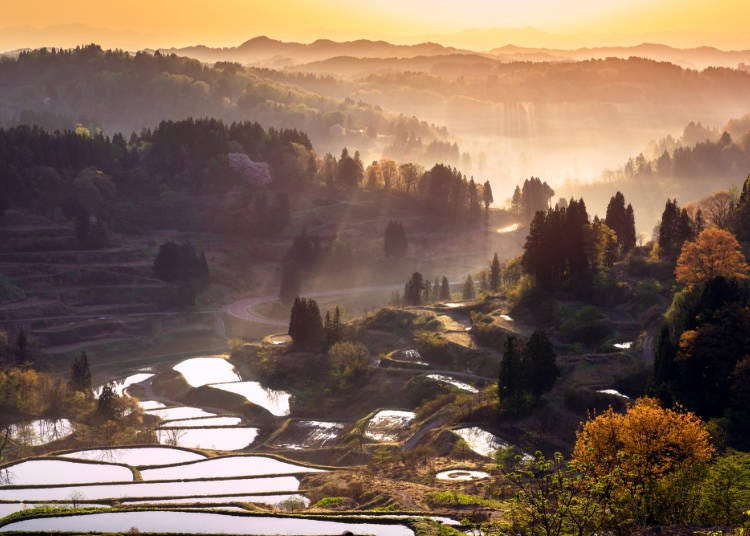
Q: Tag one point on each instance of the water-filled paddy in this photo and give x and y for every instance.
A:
(206, 421)
(454, 382)
(309, 434)
(141, 456)
(41, 431)
(276, 402)
(202, 523)
(272, 500)
(119, 386)
(157, 490)
(229, 466)
(180, 413)
(230, 438)
(389, 425)
(461, 475)
(480, 441)
(612, 392)
(150, 404)
(200, 371)
(49, 472)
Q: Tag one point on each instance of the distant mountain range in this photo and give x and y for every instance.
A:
(267, 52)
(273, 53)
(694, 58)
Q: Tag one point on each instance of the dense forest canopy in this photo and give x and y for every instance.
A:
(121, 92)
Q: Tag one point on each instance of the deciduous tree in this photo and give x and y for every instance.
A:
(715, 253)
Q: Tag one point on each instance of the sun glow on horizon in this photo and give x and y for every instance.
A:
(546, 23)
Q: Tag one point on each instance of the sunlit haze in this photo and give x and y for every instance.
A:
(145, 23)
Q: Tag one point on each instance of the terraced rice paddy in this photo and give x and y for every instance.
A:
(227, 466)
(389, 425)
(51, 471)
(480, 441)
(454, 382)
(309, 434)
(200, 371)
(217, 438)
(203, 523)
(137, 456)
(276, 402)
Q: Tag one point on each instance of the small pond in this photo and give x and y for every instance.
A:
(461, 475)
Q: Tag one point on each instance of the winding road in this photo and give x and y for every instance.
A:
(243, 309)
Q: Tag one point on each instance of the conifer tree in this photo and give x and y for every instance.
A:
(80, 374)
(494, 281)
(468, 291)
(445, 290)
(509, 380)
(539, 366)
(413, 289)
(305, 325)
(290, 282)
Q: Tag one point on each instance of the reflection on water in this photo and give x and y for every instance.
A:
(480, 441)
(231, 438)
(41, 431)
(461, 475)
(613, 392)
(389, 425)
(137, 456)
(309, 434)
(228, 466)
(276, 402)
(202, 523)
(454, 382)
(42, 472)
(199, 371)
(509, 228)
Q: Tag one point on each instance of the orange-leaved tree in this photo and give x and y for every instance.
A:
(714, 253)
(648, 459)
(647, 442)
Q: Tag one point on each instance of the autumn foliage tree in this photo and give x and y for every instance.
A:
(640, 451)
(715, 253)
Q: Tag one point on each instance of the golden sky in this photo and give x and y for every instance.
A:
(564, 23)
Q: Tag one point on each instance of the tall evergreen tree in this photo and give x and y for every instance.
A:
(539, 364)
(495, 274)
(509, 380)
(80, 374)
(306, 326)
(413, 289)
(395, 243)
(445, 290)
(290, 282)
(622, 221)
(468, 291)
